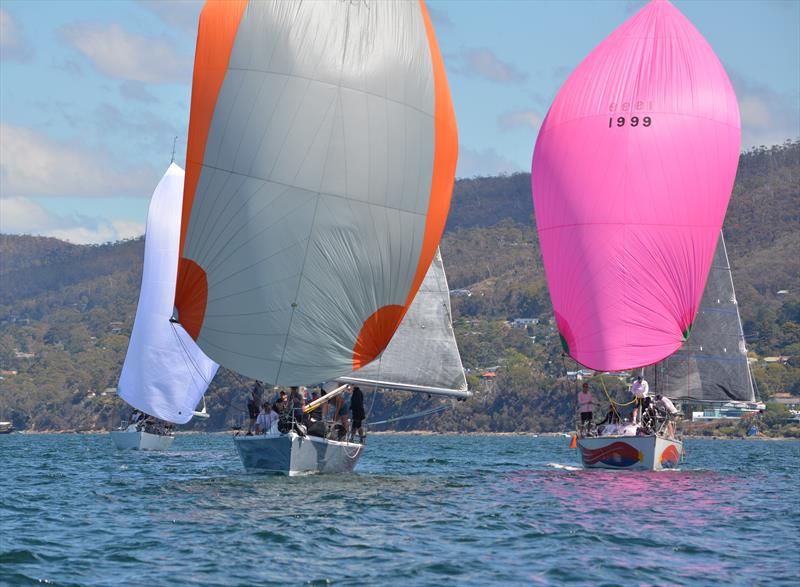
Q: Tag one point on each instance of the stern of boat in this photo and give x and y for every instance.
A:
(292, 454)
(636, 453)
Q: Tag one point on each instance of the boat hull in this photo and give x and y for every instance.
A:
(636, 453)
(292, 454)
(125, 440)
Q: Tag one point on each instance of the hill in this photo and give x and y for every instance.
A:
(66, 311)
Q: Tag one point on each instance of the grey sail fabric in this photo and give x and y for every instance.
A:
(423, 354)
(711, 365)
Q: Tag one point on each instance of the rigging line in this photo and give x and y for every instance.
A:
(183, 354)
(188, 355)
(428, 412)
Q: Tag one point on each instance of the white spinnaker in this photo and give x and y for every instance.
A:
(165, 373)
(423, 354)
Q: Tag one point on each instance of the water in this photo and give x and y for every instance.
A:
(422, 510)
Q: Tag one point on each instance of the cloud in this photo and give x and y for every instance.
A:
(14, 45)
(483, 162)
(115, 52)
(439, 17)
(482, 62)
(24, 216)
(183, 14)
(633, 6)
(768, 118)
(136, 91)
(527, 119)
(560, 73)
(34, 164)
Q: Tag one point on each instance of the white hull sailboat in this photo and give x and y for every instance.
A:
(141, 440)
(165, 374)
(316, 195)
(422, 357)
(634, 453)
(627, 248)
(292, 454)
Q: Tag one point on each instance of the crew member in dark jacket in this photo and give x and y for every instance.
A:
(357, 409)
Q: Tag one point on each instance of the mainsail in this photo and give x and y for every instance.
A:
(423, 354)
(320, 165)
(712, 364)
(165, 374)
(632, 172)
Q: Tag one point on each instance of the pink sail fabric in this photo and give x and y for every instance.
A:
(632, 172)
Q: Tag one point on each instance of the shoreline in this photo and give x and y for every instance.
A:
(416, 433)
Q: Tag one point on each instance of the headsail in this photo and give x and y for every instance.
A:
(320, 164)
(165, 374)
(712, 364)
(632, 173)
(423, 354)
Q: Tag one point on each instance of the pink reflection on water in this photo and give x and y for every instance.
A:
(643, 499)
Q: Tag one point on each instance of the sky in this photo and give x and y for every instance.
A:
(93, 93)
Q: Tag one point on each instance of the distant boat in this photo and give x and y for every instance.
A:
(165, 374)
(632, 173)
(144, 434)
(320, 166)
(6, 427)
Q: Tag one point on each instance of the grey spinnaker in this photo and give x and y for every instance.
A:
(711, 366)
(423, 354)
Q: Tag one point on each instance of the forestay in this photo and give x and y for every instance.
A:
(320, 165)
(632, 172)
(423, 354)
(165, 374)
(712, 364)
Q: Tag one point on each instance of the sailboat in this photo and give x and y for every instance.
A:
(422, 357)
(319, 171)
(632, 173)
(165, 374)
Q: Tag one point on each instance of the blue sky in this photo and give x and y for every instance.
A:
(92, 93)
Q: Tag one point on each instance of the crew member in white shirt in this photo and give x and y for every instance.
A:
(641, 391)
(266, 419)
(667, 405)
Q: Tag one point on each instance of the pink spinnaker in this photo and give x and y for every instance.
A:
(632, 172)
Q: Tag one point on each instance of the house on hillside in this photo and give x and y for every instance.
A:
(787, 399)
(782, 360)
(461, 293)
(524, 322)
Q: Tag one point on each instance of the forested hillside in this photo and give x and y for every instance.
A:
(66, 312)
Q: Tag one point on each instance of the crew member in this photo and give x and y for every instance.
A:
(585, 408)
(641, 391)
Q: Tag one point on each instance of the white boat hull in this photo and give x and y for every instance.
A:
(636, 453)
(292, 454)
(134, 440)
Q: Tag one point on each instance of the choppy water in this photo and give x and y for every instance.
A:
(435, 510)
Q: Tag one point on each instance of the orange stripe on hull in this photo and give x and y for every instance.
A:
(379, 328)
(219, 22)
